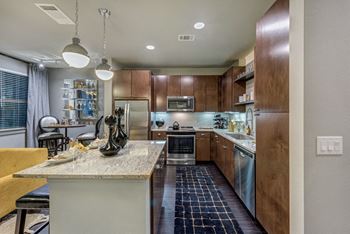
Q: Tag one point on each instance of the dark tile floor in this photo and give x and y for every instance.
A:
(247, 224)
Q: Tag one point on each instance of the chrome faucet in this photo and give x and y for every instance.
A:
(249, 110)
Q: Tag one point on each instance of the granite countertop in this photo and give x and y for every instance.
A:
(249, 145)
(136, 161)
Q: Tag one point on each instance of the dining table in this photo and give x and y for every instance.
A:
(66, 126)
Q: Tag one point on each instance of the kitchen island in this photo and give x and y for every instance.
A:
(96, 194)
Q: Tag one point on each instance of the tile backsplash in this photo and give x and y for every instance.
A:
(199, 119)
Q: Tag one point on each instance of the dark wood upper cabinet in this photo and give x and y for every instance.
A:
(122, 84)
(141, 84)
(187, 85)
(227, 91)
(200, 93)
(132, 84)
(160, 93)
(174, 86)
(211, 94)
(272, 59)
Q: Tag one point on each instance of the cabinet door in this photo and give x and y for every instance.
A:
(200, 93)
(186, 85)
(174, 86)
(227, 90)
(211, 94)
(229, 163)
(158, 135)
(141, 84)
(272, 60)
(237, 89)
(221, 154)
(160, 93)
(122, 84)
(203, 148)
(272, 172)
(212, 146)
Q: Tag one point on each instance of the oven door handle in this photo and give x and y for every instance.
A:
(182, 136)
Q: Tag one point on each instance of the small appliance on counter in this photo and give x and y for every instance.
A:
(220, 122)
(160, 123)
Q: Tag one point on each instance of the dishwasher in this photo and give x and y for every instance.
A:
(244, 179)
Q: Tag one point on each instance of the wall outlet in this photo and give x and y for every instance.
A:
(329, 145)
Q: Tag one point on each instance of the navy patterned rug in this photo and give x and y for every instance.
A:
(199, 206)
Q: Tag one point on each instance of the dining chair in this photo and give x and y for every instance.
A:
(88, 137)
(50, 137)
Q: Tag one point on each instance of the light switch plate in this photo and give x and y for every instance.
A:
(329, 145)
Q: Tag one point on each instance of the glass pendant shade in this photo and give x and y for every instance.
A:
(103, 70)
(76, 55)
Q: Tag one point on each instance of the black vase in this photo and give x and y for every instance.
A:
(120, 137)
(110, 148)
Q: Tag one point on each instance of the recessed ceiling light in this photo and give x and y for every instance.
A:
(199, 25)
(150, 47)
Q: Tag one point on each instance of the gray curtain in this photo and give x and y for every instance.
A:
(38, 102)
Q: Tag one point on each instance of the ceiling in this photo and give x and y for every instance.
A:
(29, 34)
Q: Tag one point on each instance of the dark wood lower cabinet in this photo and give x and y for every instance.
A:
(272, 171)
(160, 136)
(203, 146)
(229, 166)
(157, 192)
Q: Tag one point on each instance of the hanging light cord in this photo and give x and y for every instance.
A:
(76, 18)
(104, 35)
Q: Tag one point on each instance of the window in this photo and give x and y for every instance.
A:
(13, 100)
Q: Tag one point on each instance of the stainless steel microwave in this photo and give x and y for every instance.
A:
(180, 103)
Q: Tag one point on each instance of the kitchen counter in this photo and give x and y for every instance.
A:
(135, 161)
(249, 145)
(96, 194)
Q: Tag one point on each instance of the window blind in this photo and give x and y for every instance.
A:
(13, 100)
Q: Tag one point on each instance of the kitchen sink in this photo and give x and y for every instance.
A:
(240, 136)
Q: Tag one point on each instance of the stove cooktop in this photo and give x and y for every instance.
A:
(181, 129)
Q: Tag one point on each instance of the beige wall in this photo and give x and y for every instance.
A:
(327, 113)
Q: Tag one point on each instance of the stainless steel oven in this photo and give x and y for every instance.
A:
(180, 103)
(181, 148)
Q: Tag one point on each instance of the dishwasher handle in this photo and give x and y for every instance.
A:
(243, 152)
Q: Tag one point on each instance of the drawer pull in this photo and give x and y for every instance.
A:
(202, 134)
(159, 134)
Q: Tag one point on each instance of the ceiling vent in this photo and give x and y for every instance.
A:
(186, 37)
(55, 13)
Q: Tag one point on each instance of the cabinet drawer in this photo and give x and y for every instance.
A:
(158, 135)
(203, 134)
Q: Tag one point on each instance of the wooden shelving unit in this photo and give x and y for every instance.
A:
(244, 103)
(246, 77)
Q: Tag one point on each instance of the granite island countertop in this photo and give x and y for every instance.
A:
(136, 161)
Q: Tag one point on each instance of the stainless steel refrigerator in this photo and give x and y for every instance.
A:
(135, 121)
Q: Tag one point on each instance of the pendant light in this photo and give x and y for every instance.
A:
(74, 54)
(103, 70)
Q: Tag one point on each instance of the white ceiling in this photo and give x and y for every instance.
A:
(27, 33)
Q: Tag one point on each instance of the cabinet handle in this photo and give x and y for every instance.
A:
(257, 114)
(202, 134)
(256, 109)
(159, 134)
(225, 147)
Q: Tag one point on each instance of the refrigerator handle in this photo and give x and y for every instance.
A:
(128, 119)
